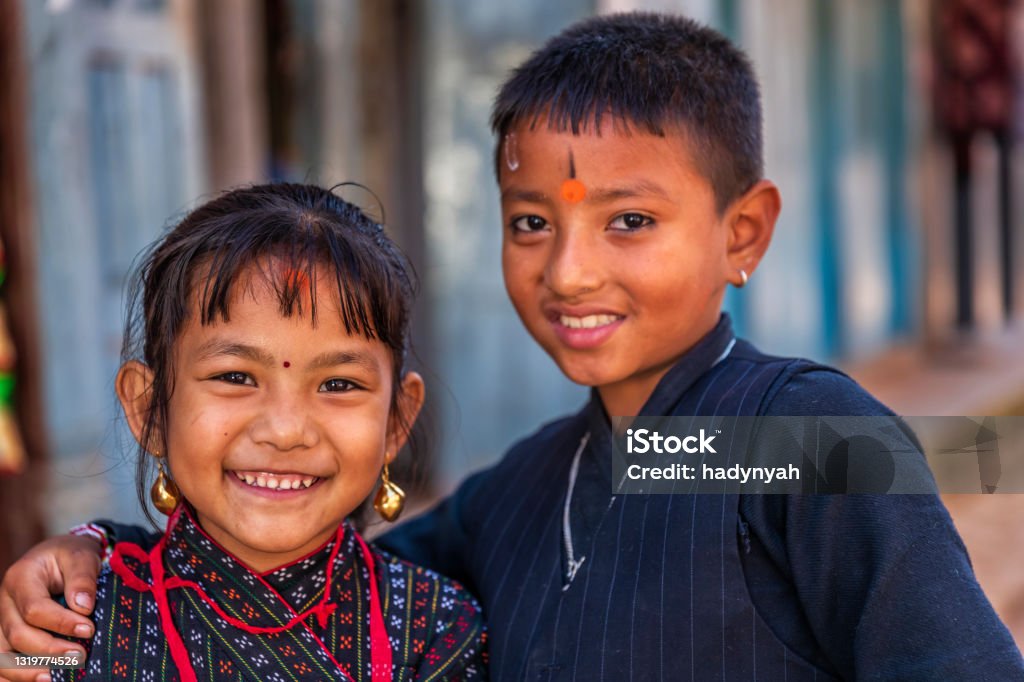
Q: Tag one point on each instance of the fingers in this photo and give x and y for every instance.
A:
(27, 607)
(24, 638)
(20, 675)
(79, 563)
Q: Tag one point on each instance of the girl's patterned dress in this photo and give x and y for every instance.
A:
(189, 610)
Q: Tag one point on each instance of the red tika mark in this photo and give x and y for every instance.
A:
(573, 191)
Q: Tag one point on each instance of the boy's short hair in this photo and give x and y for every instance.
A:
(653, 71)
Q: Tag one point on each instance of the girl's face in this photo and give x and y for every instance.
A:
(277, 429)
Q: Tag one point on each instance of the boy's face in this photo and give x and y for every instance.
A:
(613, 253)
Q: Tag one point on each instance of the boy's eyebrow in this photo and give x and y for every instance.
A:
(524, 195)
(637, 189)
(641, 188)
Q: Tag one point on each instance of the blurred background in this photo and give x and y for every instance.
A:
(891, 129)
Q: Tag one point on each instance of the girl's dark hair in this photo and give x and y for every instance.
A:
(300, 228)
(651, 71)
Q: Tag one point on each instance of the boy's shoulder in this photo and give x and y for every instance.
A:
(808, 388)
(553, 436)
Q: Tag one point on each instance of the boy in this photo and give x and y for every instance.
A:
(629, 162)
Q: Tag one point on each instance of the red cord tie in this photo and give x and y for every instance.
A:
(380, 650)
(323, 612)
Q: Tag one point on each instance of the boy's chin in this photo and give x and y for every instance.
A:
(591, 374)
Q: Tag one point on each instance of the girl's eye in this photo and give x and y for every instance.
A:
(240, 378)
(337, 386)
(630, 221)
(529, 223)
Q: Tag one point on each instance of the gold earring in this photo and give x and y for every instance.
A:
(390, 499)
(743, 279)
(164, 493)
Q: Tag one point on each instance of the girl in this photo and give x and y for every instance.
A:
(264, 377)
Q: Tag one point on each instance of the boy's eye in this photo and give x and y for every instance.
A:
(630, 221)
(529, 223)
(337, 386)
(240, 378)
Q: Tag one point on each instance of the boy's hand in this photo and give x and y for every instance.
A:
(67, 564)
(20, 675)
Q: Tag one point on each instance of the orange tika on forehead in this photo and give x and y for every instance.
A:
(573, 190)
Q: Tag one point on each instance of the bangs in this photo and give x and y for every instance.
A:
(291, 243)
(291, 272)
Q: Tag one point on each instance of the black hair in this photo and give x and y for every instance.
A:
(651, 71)
(299, 228)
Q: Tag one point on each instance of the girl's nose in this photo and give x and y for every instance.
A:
(573, 266)
(285, 424)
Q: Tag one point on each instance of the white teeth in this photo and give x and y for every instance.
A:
(588, 322)
(276, 481)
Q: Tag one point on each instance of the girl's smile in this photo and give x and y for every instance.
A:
(272, 481)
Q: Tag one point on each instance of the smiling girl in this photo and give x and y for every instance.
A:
(264, 376)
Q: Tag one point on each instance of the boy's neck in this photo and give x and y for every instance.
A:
(626, 398)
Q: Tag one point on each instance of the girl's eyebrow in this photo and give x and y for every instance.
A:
(344, 357)
(215, 347)
(219, 347)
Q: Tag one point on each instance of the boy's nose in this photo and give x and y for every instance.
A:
(284, 424)
(573, 266)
